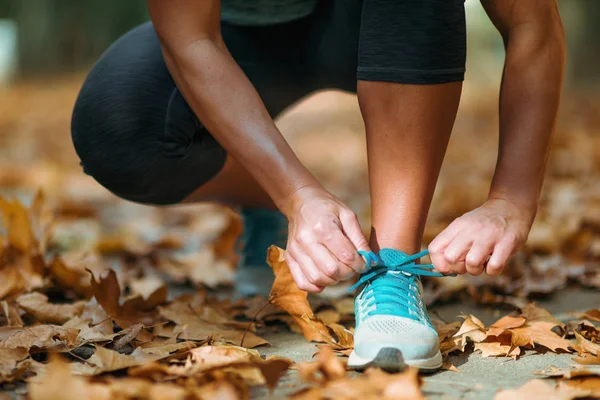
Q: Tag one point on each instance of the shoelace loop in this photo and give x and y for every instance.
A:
(394, 294)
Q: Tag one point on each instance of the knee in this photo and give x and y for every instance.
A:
(131, 162)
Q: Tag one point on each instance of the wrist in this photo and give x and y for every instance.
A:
(526, 207)
(290, 203)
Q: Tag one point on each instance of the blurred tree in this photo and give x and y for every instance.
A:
(582, 24)
(65, 35)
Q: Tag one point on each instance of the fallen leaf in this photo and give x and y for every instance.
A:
(40, 308)
(9, 315)
(537, 389)
(585, 346)
(587, 360)
(286, 295)
(107, 292)
(592, 314)
(60, 384)
(45, 337)
(197, 321)
(326, 368)
(9, 358)
(496, 349)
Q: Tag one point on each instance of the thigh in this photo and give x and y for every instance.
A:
(134, 132)
(333, 44)
(412, 41)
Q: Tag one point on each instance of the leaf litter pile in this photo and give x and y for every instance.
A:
(103, 299)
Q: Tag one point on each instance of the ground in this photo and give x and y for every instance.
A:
(190, 248)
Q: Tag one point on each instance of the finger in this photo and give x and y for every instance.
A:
(351, 229)
(478, 255)
(299, 277)
(438, 246)
(441, 241)
(310, 269)
(502, 251)
(457, 251)
(343, 250)
(331, 266)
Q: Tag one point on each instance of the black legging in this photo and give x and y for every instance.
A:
(136, 135)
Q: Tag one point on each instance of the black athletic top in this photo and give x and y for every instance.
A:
(265, 12)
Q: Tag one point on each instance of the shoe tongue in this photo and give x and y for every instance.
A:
(392, 257)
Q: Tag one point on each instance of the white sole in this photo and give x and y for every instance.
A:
(390, 359)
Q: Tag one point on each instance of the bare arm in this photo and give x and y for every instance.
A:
(530, 94)
(531, 86)
(222, 96)
(324, 235)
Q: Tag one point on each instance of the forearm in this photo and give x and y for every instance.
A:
(230, 108)
(529, 100)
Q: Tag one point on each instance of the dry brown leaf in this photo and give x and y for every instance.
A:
(197, 321)
(328, 316)
(373, 384)
(537, 389)
(592, 314)
(45, 337)
(39, 307)
(106, 360)
(587, 360)
(448, 366)
(497, 349)
(9, 359)
(286, 295)
(18, 225)
(471, 328)
(586, 380)
(328, 367)
(540, 333)
(585, 346)
(9, 315)
(505, 323)
(60, 384)
(107, 292)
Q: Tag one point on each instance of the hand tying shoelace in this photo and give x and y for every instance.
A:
(402, 274)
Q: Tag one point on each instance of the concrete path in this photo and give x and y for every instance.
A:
(479, 377)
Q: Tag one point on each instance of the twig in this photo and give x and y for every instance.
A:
(252, 321)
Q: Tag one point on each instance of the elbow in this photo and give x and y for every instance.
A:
(191, 54)
(544, 38)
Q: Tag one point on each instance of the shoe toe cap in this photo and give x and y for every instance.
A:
(414, 339)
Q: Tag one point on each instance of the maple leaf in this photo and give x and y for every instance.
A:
(107, 292)
(286, 295)
(535, 326)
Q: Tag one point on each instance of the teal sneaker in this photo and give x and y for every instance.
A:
(392, 326)
(261, 228)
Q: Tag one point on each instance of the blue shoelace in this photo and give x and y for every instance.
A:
(393, 287)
